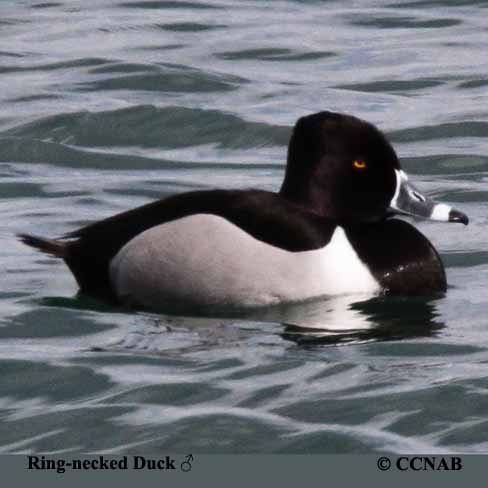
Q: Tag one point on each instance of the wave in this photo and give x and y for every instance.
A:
(147, 126)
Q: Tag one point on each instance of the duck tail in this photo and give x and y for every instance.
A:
(48, 246)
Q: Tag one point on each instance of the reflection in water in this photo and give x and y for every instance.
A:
(331, 320)
(334, 314)
(347, 319)
(335, 320)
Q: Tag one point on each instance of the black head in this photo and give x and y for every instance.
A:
(340, 167)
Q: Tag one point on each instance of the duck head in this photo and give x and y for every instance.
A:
(343, 168)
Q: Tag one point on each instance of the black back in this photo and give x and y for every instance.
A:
(264, 215)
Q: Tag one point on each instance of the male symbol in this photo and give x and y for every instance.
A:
(186, 465)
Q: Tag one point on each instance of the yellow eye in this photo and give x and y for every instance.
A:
(359, 164)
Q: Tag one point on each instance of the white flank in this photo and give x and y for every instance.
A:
(204, 260)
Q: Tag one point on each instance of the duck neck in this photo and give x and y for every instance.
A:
(309, 199)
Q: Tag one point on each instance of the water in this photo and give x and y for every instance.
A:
(109, 104)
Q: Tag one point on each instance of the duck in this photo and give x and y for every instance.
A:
(332, 229)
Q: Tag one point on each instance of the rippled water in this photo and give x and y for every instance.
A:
(106, 105)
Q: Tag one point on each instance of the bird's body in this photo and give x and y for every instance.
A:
(325, 233)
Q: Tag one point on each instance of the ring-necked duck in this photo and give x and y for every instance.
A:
(326, 232)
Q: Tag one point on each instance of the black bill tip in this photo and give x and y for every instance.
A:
(456, 216)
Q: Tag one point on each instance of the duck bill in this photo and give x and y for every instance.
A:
(409, 201)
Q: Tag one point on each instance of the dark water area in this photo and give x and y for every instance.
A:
(110, 104)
